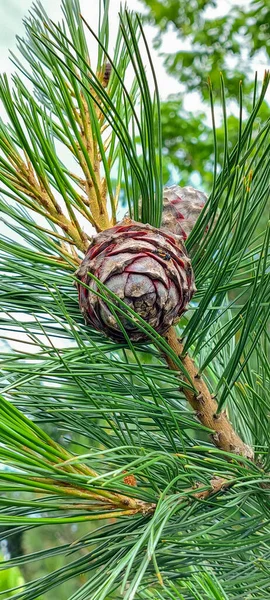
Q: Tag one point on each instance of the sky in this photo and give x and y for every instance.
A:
(12, 13)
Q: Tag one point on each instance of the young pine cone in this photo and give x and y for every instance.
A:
(145, 267)
(181, 209)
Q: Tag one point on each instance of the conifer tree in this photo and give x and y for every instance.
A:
(141, 422)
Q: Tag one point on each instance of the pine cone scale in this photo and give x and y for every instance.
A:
(146, 268)
(181, 209)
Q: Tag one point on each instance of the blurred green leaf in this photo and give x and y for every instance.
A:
(209, 38)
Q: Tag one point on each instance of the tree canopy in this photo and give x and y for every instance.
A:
(212, 37)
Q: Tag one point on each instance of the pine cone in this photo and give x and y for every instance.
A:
(146, 267)
(181, 209)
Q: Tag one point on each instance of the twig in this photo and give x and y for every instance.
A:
(218, 484)
(113, 500)
(94, 184)
(205, 405)
(23, 177)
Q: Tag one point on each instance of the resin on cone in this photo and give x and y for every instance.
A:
(147, 268)
(181, 208)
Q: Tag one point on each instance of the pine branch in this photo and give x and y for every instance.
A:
(217, 484)
(124, 456)
(205, 405)
(96, 194)
(32, 189)
(52, 469)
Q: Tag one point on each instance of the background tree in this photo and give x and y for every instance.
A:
(212, 37)
(158, 451)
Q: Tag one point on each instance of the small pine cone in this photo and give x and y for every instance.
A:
(146, 268)
(181, 209)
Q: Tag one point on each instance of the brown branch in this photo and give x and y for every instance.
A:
(205, 405)
(217, 484)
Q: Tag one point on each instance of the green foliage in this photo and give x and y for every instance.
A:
(56, 119)
(78, 412)
(212, 38)
(11, 578)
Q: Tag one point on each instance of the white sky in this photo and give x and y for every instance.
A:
(13, 11)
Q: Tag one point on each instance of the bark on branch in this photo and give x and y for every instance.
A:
(205, 406)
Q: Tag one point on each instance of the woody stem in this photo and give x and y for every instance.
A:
(205, 405)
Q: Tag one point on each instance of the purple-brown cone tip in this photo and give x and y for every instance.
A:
(181, 208)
